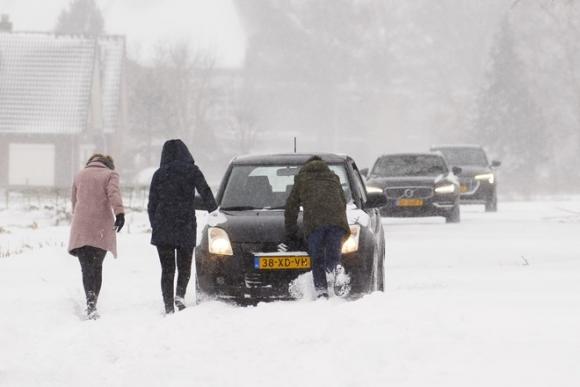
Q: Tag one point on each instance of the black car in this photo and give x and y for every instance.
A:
(416, 184)
(478, 177)
(238, 256)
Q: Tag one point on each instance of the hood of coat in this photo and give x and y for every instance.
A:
(315, 166)
(175, 150)
(97, 164)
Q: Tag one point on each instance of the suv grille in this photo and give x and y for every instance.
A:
(409, 192)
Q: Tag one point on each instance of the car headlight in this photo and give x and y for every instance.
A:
(350, 245)
(445, 189)
(219, 242)
(486, 176)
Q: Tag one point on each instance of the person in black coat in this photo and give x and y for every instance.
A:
(172, 217)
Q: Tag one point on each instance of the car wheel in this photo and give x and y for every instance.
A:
(198, 295)
(454, 216)
(491, 204)
(381, 269)
(360, 280)
(375, 272)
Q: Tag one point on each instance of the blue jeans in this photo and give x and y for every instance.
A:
(324, 248)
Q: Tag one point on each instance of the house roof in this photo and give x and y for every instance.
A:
(47, 81)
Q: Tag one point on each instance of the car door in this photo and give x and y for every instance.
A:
(361, 192)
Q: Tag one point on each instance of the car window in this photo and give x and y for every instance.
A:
(360, 185)
(464, 156)
(253, 186)
(409, 165)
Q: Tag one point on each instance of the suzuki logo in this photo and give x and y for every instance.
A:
(408, 193)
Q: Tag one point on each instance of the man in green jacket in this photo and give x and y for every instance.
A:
(317, 189)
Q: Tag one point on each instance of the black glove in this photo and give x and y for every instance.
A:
(119, 222)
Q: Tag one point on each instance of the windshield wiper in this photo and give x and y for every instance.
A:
(240, 208)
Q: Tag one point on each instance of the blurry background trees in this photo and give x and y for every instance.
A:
(81, 17)
(367, 77)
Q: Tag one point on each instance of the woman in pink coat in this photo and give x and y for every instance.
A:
(97, 214)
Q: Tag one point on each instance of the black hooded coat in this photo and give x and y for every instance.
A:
(171, 211)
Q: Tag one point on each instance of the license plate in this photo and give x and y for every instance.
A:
(410, 202)
(282, 263)
(463, 188)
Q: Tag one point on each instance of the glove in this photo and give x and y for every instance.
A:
(119, 222)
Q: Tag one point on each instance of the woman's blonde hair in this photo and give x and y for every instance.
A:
(105, 159)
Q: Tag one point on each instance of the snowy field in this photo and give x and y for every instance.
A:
(493, 301)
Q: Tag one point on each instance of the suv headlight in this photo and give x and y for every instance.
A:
(218, 241)
(445, 189)
(350, 245)
(486, 176)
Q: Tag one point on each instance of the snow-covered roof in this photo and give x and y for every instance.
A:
(46, 81)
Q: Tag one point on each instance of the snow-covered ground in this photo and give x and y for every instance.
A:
(493, 301)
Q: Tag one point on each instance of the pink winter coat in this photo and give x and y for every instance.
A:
(96, 198)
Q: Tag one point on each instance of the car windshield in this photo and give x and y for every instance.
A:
(409, 165)
(465, 156)
(267, 186)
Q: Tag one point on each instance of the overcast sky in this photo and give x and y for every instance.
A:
(206, 24)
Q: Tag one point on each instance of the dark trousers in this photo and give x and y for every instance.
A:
(168, 255)
(324, 245)
(91, 260)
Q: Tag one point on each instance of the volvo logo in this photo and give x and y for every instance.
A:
(408, 193)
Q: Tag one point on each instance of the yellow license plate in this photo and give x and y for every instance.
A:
(282, 263)
(410, 202)
(463, 188)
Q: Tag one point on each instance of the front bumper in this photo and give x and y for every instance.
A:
(437, 205)
(235, 277)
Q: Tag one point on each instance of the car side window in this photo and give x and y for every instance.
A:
(359, 184)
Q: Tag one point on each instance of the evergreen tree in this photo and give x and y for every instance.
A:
(81, 17)
(509, 122)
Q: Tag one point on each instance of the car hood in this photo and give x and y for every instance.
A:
(255, 226)
(472, 170)
(404, 181)
(262, 226)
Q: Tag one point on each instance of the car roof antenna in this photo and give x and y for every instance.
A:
(294, 144)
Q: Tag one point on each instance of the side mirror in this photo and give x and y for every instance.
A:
(364, 172)
(198, 203)
(456, 170)
(495, 163)
(376, 199)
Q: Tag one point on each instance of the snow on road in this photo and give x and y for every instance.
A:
(492, 301)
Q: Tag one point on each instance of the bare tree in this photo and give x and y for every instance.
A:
(243, 126)
(170, 98)
(81, 17)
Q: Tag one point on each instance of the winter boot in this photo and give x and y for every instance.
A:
(179, 303)
(92, 313)
(342, 285)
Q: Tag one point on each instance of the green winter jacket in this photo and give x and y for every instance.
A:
(317, 189)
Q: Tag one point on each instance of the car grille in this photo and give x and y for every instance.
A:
(253, 280)
(409, 192)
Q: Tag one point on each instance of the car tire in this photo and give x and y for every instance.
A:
(198, 296)
(491, 203)
(360, 280)
(381, 269)
(454, 216)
